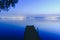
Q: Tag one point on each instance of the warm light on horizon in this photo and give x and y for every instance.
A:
(12, 18)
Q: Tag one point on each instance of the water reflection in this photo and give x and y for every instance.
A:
(47, 30)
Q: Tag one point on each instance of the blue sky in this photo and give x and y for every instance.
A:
(34, 7)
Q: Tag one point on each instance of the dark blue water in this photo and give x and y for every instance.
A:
(11, 32)
(16, 32)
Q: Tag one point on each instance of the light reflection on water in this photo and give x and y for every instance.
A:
(41, 25)
(50, 27)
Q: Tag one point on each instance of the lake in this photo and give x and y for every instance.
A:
(14, 29)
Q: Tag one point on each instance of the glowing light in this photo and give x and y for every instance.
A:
(51, 18)
(21, 18)
(12, 18)
(34, 18)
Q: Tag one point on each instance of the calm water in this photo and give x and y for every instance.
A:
(10, 29)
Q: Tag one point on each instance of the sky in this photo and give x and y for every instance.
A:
(24, 7)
